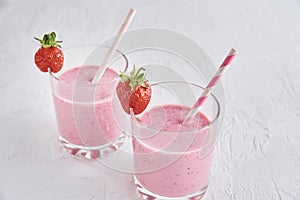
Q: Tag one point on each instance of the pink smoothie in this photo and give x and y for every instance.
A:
(84, 112)
(171, 174)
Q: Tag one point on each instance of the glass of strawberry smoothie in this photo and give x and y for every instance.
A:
(173, 161)
(84, 110)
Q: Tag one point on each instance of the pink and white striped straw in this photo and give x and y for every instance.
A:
(115, 44)
(208, 89)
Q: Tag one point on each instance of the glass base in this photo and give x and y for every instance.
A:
(147, 195)
(91, 152)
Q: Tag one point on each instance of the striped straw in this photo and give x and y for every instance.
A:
(115, 44)
(208, 89)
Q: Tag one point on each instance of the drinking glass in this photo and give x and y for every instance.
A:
(84, 110)
(173, 160)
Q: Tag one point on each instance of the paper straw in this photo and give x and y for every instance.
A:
(208, 89)
(115, 44)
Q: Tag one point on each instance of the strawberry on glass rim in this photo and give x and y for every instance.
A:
(134, 91)
(49, 55)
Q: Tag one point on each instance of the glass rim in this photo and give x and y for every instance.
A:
(212, 122)
(121, 54)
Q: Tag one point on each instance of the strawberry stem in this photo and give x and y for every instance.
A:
(49, 40)
(135, 77)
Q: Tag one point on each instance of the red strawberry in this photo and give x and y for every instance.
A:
(134, 91)
(49, 55)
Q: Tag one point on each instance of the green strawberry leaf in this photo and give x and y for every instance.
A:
(141, 83)
(49, 41)
(136, 77)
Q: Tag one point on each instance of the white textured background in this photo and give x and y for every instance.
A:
(258, 156)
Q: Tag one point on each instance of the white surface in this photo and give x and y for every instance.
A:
(258, 156)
